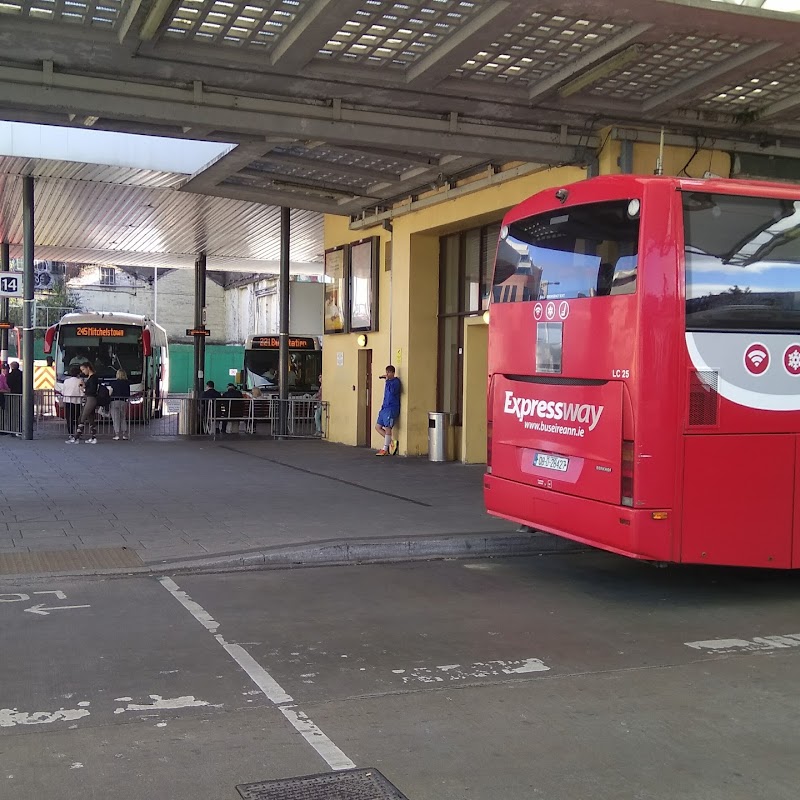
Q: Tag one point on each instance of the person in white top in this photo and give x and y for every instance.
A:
(73, 399)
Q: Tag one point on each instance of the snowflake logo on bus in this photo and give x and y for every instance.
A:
(791, 359)
(756, 359)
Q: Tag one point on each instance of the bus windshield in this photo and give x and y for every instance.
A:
(304, 369)
(585, 251)
(108, 347)
(742, 263)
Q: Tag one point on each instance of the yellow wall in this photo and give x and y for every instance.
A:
(413, 284)
(408, 299)
(645, 158)
(476, 368)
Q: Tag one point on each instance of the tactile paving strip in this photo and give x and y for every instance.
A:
(68, 560)
(350, 784)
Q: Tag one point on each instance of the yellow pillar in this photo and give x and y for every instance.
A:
(476, 368)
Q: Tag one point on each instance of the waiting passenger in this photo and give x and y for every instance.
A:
(208, 397)
(234, 409)
(91, 386)
(120, 395)
(73, 399)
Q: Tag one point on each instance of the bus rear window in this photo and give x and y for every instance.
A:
(584, 251)
(742, 263)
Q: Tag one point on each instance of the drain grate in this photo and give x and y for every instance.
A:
(349, 784)
(65, 560)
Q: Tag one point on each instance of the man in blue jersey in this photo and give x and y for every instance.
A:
(390, 411)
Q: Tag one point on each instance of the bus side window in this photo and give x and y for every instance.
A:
(605, 279)
(625, 276)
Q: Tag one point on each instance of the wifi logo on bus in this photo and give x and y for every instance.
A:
(756, 359)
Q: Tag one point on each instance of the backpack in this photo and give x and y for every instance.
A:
(103, 396)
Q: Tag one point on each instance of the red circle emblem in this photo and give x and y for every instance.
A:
(756, 359)
(791, 359)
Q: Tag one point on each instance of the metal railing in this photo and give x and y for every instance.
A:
(177, 415)
(139, 416)
(297, 417)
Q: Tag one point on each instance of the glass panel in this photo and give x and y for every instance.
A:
(742, 262)
(304, 369)
(448, 279)
(449, 364)
(472, 270)
(361, 271)
(549, 341)
(491, 234)
(585, 251)
(108, 346)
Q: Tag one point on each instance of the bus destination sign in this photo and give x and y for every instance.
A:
(104, 332)
(274, 342)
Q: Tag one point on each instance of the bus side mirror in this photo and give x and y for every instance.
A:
(49, 335)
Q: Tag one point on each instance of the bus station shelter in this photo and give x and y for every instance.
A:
(410, 125)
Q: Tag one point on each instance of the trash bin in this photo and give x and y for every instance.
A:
(188, 419)
(438, 424)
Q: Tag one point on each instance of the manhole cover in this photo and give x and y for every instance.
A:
(350, 784)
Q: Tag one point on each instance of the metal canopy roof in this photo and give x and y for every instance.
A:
(87, 213)
(346, 106)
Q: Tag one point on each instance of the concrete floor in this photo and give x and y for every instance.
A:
(565, 677)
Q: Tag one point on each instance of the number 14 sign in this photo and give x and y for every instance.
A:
(10, 284)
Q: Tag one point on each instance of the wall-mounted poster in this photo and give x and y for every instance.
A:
(335, 291)
(363, 285)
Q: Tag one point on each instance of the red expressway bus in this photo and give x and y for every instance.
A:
(644, 369)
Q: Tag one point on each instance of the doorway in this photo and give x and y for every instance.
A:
(364, 389)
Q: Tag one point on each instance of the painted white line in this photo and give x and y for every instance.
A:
(470, 672)
(188, 701)
(756, 644)
(271, 689)
(57, 592)
(197, 611)
(260, 677)
(40, 608)
(332, 755)
(9, 717)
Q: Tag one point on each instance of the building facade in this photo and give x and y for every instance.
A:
(435, 258)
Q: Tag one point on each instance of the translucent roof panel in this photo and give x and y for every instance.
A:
(784, 6)
(238, 23)
(183, 156)
(397, 33)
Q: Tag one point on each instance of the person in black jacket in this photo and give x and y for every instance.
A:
(15, 378)
(234, 409)
(120, 394)
(209, 412)
(91, 385)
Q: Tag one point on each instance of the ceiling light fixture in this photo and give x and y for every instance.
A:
(602, 69)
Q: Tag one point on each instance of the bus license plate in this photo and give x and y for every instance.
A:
(546, 461)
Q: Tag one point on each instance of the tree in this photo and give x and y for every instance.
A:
(50, 304)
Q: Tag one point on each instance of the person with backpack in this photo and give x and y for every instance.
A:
(91, 388)
(120, 394)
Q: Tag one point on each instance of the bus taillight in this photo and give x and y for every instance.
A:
(489, 445)
(627, 473)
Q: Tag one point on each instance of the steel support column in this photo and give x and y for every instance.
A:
(199, 323)
(283, 291)
(27, 307)
(5, 266)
